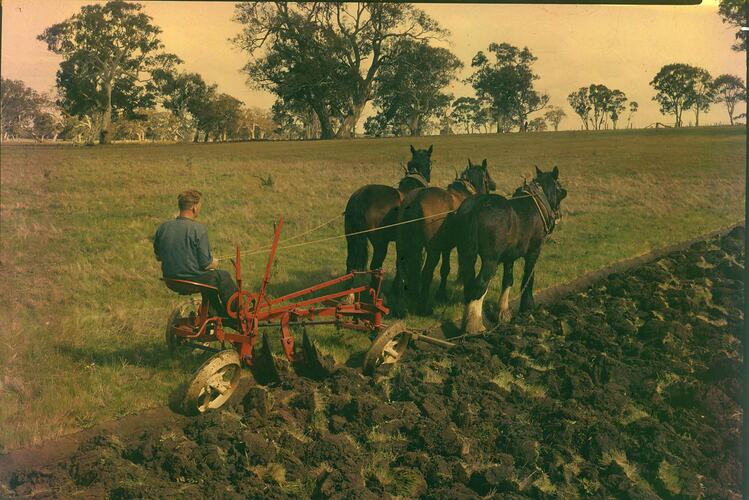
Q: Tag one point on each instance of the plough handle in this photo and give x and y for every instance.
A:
(269, 266)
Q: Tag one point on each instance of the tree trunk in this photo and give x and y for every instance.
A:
(326, 129)
(697, 116)
(106, 119)
(414, 125)
(348, 126)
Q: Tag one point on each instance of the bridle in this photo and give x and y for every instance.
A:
(549, 216)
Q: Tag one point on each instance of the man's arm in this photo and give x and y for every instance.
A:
(205, 259)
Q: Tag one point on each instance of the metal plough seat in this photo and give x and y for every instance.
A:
(187, 287)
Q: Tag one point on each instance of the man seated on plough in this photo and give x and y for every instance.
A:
(182, 247)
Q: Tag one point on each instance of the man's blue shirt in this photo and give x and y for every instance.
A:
(182, 246)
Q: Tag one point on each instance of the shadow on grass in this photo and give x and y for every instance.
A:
(145, 355)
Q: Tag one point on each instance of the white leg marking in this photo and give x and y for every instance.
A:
(473, 317)
(504, 305)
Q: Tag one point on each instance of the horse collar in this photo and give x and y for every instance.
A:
(548, 215)
(469, 187)
(418, 177)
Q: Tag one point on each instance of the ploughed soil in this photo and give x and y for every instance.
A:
(629, 389)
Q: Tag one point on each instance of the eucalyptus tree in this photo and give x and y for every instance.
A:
(554, 115)
(616, 105)
(410, 90)
(109, 51)
(579, 100)
(633, 107)
(736, 13)
(730, 90)
(507, 82)
(326, 56)
(465, 111)
(703, 93)
(680, 87)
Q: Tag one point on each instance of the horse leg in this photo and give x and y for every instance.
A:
(398, 296)
(444, 273)
(466, 267)
(504, 298)
(474, 294)
(526, 299)
(413, 267)
(379, 254)
(356, 259)
(427, 273)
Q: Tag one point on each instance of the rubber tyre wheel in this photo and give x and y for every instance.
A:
(387, 348)
(213, 383)
(181, 311)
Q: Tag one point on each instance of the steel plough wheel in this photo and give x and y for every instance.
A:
(387, 348)
(183, 310)
(214, 382)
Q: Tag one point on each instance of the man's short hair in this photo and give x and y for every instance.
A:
(188, 199)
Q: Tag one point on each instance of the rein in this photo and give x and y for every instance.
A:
(548, 216)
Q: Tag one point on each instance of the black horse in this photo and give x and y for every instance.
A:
(432, 230)
(376, 205)
(502, 230)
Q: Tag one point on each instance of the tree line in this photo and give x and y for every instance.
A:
(323, 62)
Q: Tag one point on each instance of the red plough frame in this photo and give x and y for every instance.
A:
(254, 311)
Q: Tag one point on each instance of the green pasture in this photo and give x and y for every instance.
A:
(84, 311)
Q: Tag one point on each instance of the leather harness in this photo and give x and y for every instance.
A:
(417, 177)
(548, 215)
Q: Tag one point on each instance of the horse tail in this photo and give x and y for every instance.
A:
(358, 248)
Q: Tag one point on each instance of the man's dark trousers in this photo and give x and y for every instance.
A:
(226, 288)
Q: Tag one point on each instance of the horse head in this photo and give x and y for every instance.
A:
(421, 163)
(553, 190)
(478, 176)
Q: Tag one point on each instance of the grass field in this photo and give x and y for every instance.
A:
(83, 308)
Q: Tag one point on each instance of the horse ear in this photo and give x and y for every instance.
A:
(430, 149)
(483, 163)
(538, 171)
(555, 172)
(413, 151)
(469, 162)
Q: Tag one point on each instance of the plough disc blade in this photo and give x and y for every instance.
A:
(264, 366)
(315, 364)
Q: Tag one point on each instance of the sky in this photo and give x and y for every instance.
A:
(621, 47)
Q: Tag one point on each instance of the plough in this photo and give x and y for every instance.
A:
(247, 314)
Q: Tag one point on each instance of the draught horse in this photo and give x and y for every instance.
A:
(376, 205)
(501, 230)
(431, 209)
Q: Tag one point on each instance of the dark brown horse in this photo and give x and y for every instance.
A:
(432, 233)
(501, 230)
(376, 205)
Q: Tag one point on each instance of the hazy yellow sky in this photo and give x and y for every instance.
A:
(620, 46)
